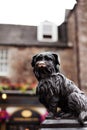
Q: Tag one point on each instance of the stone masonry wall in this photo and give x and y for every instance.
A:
(82, 37)
(20, 69)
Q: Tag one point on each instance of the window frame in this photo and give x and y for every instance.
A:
(4, 56)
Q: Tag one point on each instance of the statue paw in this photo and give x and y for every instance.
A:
(82, 117)
(50, 115)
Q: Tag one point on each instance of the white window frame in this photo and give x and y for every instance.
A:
(4, 61)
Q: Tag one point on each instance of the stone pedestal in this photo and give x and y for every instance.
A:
(62, 124)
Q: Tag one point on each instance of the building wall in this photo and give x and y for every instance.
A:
(82, 39)
(72, 40)
(20, 69)
(77, 28)
(22, 48)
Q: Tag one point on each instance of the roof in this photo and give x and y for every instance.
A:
(17, 34)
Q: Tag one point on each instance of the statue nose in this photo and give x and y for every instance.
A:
(41, 64)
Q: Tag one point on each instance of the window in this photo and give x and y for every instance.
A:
(3, 62)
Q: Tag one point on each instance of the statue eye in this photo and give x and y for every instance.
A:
(48, 58)
(39, 58)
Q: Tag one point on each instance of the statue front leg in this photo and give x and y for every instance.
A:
(52, 109)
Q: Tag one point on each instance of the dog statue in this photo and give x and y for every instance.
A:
(55, 90)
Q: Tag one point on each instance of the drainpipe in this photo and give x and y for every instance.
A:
(77, 47)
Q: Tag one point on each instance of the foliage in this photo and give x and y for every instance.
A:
(17, 86)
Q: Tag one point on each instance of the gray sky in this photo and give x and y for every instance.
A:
(32, 12)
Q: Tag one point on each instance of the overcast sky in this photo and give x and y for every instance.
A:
(32, 12)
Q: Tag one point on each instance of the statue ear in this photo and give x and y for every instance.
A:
(33, 61)
(57, 61)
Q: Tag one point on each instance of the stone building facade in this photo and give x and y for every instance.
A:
(22, 44)
(78, 35)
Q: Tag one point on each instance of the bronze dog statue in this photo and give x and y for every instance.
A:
(55, 90)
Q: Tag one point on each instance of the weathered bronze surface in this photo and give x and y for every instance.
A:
(55, 90)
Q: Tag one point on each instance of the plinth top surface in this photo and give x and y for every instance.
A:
(62, 123)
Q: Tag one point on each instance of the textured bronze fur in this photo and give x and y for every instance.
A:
(55, 90)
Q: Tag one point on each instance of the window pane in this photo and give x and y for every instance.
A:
(3, 61)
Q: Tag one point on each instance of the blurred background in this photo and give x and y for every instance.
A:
(63, 32)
